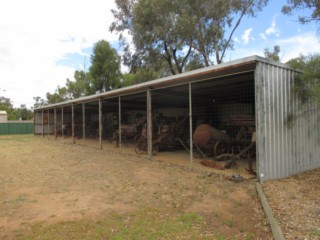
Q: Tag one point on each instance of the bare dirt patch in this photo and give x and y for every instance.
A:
(295, 202)
(46, 182)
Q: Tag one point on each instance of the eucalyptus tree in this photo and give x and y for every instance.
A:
(181, 33)
(272, 55)
(81, 86)
(214, 23)
(154, 27)
(105, 68)
(61, 94)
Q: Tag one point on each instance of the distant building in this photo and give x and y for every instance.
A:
(3, 117)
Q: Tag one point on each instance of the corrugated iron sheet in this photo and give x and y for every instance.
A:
(286, 145)
(16, 128)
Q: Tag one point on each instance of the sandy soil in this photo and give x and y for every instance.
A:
(47, 181)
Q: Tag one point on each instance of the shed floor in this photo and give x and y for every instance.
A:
(177, 157)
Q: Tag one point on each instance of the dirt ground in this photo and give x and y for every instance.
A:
(45, 182)
(295, 202)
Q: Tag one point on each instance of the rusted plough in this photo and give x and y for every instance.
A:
(165, 137)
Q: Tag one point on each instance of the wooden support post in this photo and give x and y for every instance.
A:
(119, 123)
(72, 117)
(100, 124)
(35, 116)
(42, 122)
(149, 124)
(190, 128)
(62, 126)
(48, 113)
(83, 121)
(55, 123)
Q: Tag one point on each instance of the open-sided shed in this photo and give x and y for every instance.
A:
(250, 100)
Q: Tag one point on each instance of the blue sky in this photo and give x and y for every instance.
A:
(271, 28)
(42, 43)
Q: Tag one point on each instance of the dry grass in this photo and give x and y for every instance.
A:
(50, 188)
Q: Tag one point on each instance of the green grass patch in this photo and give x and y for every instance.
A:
(144, 224)
(314, 232)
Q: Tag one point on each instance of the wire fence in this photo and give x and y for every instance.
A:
(207, 125)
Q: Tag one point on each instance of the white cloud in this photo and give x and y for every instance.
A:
(236, 40)
(246, 36)
(35, 34)
(292, 47)
(263, 36)
(272, 30)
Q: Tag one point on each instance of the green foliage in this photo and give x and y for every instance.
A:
(38, 102)
(185, 34)
(22, 112)
(302, 5)
(61, 94)
(140, 75)
(104, 75)
(307, 84)
(272, 55)
(81, 86)
(105, 69)
(5, 104)
(315, 233)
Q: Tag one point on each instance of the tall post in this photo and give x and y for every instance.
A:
(119, 123)
(100, 124)
(83, 121)
(48, 113)
(190, 128)
(55, 123)
(72, 119)
(149, 124)
(42, 123)
(35, 120)
(62, 124)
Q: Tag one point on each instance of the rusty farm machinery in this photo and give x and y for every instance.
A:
(237, 141)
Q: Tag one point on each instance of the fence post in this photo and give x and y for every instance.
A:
(83, 121)
(100, 124)
(149, 124)
(72, 116)
(119, 123)
(55, 123)
(190, 127)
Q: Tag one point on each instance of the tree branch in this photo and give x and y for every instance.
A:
(234, 29)
(168, 57)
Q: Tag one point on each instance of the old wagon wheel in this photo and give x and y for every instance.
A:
(243, 139)
(141, 146)
(220, 147)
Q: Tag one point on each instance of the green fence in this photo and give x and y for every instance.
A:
(16, 128)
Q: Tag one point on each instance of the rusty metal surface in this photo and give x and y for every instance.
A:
(205, 135)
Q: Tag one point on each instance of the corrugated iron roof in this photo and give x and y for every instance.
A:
(230, 68)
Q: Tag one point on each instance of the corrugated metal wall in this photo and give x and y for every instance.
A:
(48, 120)
(16, 128)
(284, 150)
